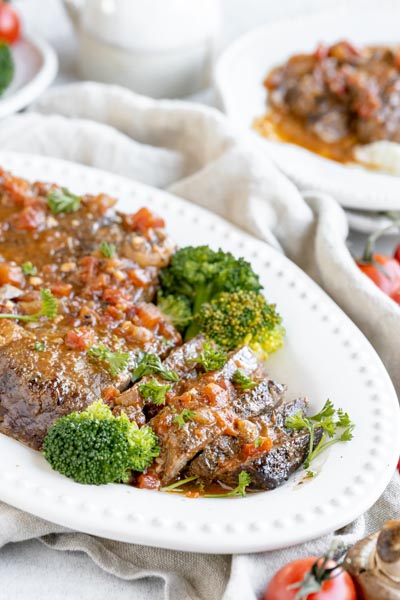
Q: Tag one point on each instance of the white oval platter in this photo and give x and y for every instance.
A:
(239, 75)
(325, 356)
(36, 66)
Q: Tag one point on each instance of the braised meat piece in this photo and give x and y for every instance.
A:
(337, 97)
(268, 464)
(101, 268)
(209, 426)
(202, 411)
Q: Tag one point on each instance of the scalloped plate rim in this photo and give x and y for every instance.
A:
(291, 514)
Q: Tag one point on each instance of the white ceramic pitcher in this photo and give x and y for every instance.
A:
(161, 48)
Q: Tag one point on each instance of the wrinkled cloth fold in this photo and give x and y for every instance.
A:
(194, 152)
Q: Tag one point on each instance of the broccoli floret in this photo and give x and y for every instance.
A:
(6, 66)
(200, 274)
(234, 319)
(176, 308)
(94, 447)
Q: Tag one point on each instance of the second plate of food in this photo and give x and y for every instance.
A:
(239, 78)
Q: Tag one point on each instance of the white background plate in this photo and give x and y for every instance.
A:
(35, 68)
(243, 66)
(325, 356)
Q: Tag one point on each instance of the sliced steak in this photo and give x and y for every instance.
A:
(272, 468)
(265, 396)
(228, 456)
(210, 398)
(36, 388)
(179, 360)
(180, 444)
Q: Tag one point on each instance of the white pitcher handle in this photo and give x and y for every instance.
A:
(74, 8)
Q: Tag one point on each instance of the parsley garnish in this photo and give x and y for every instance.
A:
(148, 364)
(117, 361)
(336, 425)
(60, 200)
(39, 346)
(211, 358)
(28, 268)
(184, 416)
(240, 490)
(48, 309)
(245, 383)
(173, 486)
(107, 250)
(154, 391)
(258, 442)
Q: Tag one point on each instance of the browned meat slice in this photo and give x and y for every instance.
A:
(36, 388)
(180, 361)
(228, 456)
(207, 399)
(273, 467)
(181, 442)
(264, 396)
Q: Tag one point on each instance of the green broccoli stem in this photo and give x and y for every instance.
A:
(203, 295)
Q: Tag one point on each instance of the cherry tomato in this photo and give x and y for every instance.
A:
(338, 588)
(10, 26)
(385, 273)
(397, 253)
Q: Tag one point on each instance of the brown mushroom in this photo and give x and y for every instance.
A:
(374, 564)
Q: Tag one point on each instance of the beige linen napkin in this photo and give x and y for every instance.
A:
(196, 153)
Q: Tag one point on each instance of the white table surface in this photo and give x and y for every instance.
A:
(30, 571)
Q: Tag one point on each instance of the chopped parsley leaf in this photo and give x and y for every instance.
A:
(61, 200)
(245, 383)
(210, 358)
(184, 416)
(117, 361)
(107, 250)
(28, 268)
(148, 364)
(154, 392)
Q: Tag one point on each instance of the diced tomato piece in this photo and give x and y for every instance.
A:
(143, 220)
(101, 203)
(80, 338)
(116, 297)
(255, 448)
(100, 282)
(186, 398)
(214, 395)
(115, 314)
(29, 218)
(134, 334)
(148, 481)
(61, 289)
(11, 274)
(149, 315)
(139, 277)
(17, 189)
(110, 393)
(89, 266)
